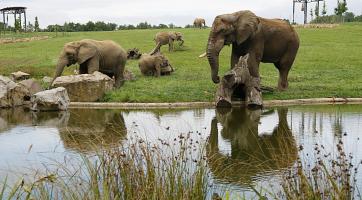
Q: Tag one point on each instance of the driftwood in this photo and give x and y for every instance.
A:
(238, 81)
(133, 53)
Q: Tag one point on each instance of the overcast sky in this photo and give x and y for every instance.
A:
(179, 12)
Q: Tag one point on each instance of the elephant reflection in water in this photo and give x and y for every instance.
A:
(251, 154)
(88, 129)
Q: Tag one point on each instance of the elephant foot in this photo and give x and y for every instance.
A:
(254, 99)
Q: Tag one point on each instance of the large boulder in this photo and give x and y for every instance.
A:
(19, 75)
(32, 86)
(50, 100)
(12, 94)
(85, 87)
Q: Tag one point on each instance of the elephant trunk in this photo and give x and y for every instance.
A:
(59, 69)
(213, 49)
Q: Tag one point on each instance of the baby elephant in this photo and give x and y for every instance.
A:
(154, 65)
(163, 38)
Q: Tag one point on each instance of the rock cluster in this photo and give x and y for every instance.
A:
(12, 94)
(85, 87)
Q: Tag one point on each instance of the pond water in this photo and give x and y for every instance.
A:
(253, 147)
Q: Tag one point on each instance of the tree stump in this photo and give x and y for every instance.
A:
(239, 80)
(133, 53)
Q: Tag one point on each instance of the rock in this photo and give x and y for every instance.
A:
(47, 79)
(50, 100)
(128, 75)
(19, 75)
(12, 94)
(32, 86)
(85, 87)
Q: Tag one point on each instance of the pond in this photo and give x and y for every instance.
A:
(253, 147)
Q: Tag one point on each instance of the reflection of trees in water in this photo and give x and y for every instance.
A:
(79, 129)
(251, 154)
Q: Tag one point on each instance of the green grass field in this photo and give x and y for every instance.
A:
(328, 64)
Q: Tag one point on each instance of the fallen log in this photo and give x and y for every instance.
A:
(238, 81)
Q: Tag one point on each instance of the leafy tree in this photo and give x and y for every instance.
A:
(311, 14)
(17, 24)
(341, 8)
(36, 25)
(316, 10)
(324, 9)
(30, 27)
(349, 17)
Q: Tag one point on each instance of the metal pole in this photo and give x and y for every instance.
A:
(305, 12)
(4, 22)
(20, 22)
(15, 22)
(25, 19)
(293, 11)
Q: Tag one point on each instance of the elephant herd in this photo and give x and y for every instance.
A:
(265, 40)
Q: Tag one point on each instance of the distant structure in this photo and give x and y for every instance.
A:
(15, 11)
(304, 8)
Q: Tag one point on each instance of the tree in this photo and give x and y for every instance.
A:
(17, 24)
(341, 8)
(324, 10)
(30, 27)
(36, 25)
(349, 17)
(316, 10)
(311, 14)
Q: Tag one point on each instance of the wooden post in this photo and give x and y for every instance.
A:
(239, 78)
(25, 20)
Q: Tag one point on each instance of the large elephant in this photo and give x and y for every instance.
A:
(92, 55)
(252, 152)
(164, 38)
(266, 40)
(199, 23)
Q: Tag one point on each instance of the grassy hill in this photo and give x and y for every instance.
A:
(328, 64)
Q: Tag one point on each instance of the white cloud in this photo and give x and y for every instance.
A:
(180, 12)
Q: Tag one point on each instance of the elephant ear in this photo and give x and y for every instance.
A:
(173, 36)
(247, 25)
(86, 51)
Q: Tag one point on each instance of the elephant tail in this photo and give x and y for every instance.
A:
(156, 49)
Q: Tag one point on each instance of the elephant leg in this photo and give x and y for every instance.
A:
(284, 66)
(158, 70)
(83, 69)
(93, 65)
(118, 74)
(170, 45)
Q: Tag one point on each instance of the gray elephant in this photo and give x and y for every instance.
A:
(105, 56)
(154, 65)
(266, 40)
(164, 38)
(199, 23)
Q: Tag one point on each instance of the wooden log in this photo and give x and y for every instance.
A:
(239, 80)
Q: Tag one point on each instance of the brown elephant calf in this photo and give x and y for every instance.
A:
(154, 65)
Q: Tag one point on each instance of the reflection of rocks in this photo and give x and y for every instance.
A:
(251, 154)
(88, 129)
(80, 129)
(10, 118)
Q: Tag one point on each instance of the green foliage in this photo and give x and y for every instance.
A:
(341, 8)
(17, 24)
(316, 10)
(36, 25)
(324, 9)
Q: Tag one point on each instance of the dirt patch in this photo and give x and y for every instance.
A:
(16, 40)
(316, 25)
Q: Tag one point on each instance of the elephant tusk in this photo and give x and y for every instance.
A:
(202, 55)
